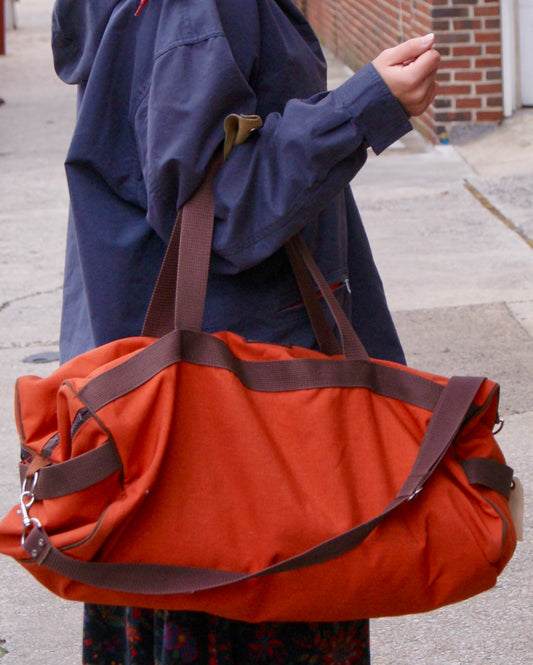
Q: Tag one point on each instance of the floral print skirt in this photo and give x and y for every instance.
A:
(133, 636)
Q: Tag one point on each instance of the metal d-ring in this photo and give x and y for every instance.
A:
(498, 425)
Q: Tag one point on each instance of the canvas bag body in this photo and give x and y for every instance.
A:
(195, 453)
(216, 475)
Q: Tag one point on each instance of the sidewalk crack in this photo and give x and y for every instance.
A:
(497, 213)
(8, 303)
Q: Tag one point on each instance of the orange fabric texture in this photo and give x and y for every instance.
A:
(218, 475)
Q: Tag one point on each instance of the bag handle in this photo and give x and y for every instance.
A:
(153, 579)
(178, 299)
(166, 300)
(303, 265)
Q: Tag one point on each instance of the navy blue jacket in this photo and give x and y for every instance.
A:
(154, 90)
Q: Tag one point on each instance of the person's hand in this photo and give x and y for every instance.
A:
(409, 70)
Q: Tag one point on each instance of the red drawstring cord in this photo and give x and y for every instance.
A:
(141, 5)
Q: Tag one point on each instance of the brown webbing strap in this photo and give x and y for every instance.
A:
(269, 376)
(154, 579)
(76, 474)
(178, 299)
(194, 255)
(443, 426)
(489, 473)
(352, 346)
(159, 318)
(322, 329)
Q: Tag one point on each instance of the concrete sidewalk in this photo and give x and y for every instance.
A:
(452, 232)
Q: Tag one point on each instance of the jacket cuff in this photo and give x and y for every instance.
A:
(379, 115)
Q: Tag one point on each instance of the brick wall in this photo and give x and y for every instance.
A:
(468, 38)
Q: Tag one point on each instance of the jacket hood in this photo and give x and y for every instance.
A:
(77, 30)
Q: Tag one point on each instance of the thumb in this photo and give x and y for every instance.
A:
(410, 50)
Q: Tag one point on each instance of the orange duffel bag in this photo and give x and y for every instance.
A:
(199, 471)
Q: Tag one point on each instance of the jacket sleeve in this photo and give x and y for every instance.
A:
(275, 183)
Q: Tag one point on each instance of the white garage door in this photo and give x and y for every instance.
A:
(525, 22)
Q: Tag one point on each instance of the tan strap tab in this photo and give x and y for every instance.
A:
(516, 504)
(238, 128)
(37, 463)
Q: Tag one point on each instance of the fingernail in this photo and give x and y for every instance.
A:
(429, 37)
